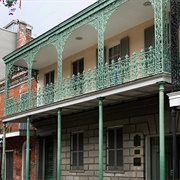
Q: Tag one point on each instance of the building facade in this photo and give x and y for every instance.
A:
(14, 35)
(100, 108)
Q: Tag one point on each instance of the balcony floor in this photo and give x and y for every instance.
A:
(130, 91)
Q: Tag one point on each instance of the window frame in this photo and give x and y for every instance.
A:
(77, 167)
(49, 73)
(115, 167)
(77, 61)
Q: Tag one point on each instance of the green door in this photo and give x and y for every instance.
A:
(49, 158)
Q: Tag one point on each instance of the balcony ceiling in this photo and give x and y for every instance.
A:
(125, 17)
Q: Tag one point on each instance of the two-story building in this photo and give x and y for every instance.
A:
(14, 35)
(100, 109)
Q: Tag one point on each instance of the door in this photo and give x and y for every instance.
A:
(9, 165)
(168, 158)
(49, 158)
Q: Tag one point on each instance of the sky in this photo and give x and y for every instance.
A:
(43, 14)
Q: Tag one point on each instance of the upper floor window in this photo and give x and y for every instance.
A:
(78, 66)
(115, 149)
(149, 37)
(77, 151)
(49, 77)
(120, 50)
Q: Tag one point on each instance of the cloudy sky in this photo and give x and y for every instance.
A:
(43, 14)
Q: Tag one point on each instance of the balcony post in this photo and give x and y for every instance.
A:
(100, 64)
(29, 78)
(4, 152)
(59, 145)
(100, 138)
(27, 147)
(6, 90)
(161, 131)
(161, 34)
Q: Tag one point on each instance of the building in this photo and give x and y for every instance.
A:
(13, 36)
(100, 109)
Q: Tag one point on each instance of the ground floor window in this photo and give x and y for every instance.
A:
(77, 151)
(115, 149)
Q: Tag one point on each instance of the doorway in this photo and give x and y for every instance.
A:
(9, 165)
(154, 143)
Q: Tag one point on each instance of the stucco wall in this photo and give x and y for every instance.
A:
(136, 42)
(7, 45)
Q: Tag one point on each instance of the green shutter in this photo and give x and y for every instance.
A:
(124, 46)
(149, 37)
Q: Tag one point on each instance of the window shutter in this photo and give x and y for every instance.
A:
(81, 159)
(75, 68)
(81, 141)
(111, 138)
(111, 157)
(52, 77)
(120, 158)
(81, 65)
(47, 78)
(119, 138)
(124, 46)
(97, 56)
(74, 142)
(149, 37)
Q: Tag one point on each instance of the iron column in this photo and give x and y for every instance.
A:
(161, 131)
(59, 145)
(27, 147)
(100, 138)
(4, 151)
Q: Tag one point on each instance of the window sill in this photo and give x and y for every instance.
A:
(76, 171)
(115, 171)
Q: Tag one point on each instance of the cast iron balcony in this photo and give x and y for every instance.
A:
(137, 66)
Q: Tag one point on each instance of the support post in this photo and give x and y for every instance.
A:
(4, 151)
(100, 138)
(161, 131)
(27, 147)
(59, 145)
(173, 118)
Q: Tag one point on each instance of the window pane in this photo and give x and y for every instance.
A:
(47, 78)
(74, 142)
(119, 158)
(81, 141)
(81, 66)
(119, 138)
(111, 138)
(111, 158)
(80, 158)
(75, 68)
(52, 77)
(74, 158)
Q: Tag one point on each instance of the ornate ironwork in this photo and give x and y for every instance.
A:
(175, 62)
(129, 69)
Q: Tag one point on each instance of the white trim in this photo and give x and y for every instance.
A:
(17, 133)
(124, 87)
(174, 99)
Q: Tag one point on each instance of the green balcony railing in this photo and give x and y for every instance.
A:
(116, 73)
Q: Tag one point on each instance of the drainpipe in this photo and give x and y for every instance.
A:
(59, 145)
(161, 131)
(173, 117)
(100, 138)
(4, 151)
(27, 147)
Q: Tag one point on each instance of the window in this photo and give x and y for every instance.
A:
(77, 151)
(115, 149)
(49, 77)
(120, 50)
(78, 66)
(149, 37)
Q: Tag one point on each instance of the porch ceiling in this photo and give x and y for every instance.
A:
(125, 17)
(134, 90)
